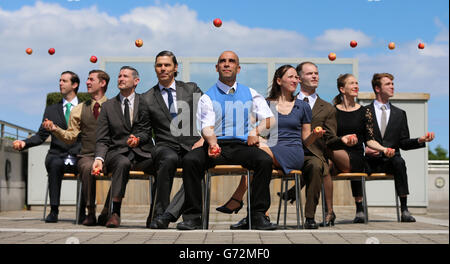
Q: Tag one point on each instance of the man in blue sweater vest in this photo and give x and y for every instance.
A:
(224, 113)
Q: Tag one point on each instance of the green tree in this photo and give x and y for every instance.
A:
(439, 153)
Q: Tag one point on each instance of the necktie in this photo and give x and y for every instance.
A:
(126, 112)
(67, 115)
(306, 99)
(232, 90)
(96, 112)
(383, 120)
(172, 110)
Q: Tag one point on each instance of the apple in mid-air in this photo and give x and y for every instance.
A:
(51, 51)
(139, 43)
(353, 43)
(217, 22)
(93, 59)
(421, 46)
(391, 45)
(29, 51)
(332, 56)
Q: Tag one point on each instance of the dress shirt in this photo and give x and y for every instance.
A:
(311, 98)
(377, 106)
(130, 104)
(206, 115)
(173, 89)
(69, 136)
(74, 103)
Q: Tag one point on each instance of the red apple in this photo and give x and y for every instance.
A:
(332, 56)
(421, 46)
(391, 45)
(318, 129)
(51, 51)
(215, 150)
(93, 59)
(29, 51)
(96, 171)
(139, 43)
(353, 43)
(217, 22)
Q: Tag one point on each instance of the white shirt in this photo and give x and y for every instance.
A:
(377, 105)
(312, 98)
(206, 115)
(173, 90)
(74, 103)
(130, 104)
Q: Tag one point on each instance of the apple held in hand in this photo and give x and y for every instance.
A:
(217, 22)
(318, 129)
(215, 150)
(96, 171)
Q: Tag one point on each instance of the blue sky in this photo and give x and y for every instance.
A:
(308, 29)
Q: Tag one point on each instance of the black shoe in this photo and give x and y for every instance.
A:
(243, 224)
(81, 218)
(52, 217)
(290, 195)
(262, 222)
(360, 218)
(102, 219)
(407, 217)
(190, 224)
(162, 221)
(224, 209)
(329, 220)
(310, 223)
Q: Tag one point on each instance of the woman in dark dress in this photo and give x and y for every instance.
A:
(355, 119)
(285, 143)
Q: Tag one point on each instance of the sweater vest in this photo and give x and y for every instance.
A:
(88, 129)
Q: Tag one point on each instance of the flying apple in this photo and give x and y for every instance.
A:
(391, 45)
(421, 46)
(353, 43)
(51, 51)
(332, 56)
(93, 59)
(217, 22)
(139, 43)
(29, 51)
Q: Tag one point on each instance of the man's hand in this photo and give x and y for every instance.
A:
(372, 152)
(133, 141)
(198, 144)
(214, 151)
(97, 167)
(427, 138)
(318, 131)
(389, 152)
(253, 138)
(49, 125)
(18, 144)
(350, 140)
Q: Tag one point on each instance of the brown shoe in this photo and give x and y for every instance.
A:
(90, 220)
(114, 221)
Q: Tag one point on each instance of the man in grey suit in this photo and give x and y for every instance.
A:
(168, 108)
(115, 145)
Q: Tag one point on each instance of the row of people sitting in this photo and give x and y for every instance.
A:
(237, 126)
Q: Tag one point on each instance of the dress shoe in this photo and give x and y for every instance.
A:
(102, 219)
(162, 221)
(242, 224)
(262, 222)
(81, 218)
(52, 217)
(90, 220)
(360, 218)
(290, 195)
(310, 223)
(226, 210)
(407, 217)
(114, 221)
(190, 224)
(329, 220)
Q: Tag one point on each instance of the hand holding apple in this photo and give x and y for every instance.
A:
(350, 139)
(214, 151)
(318, 131)
(18, 144)
(49, 125)
(389, 152)
(429, 136)
(133, 141)
(97, 167)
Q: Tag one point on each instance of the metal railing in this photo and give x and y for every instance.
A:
(9, 130)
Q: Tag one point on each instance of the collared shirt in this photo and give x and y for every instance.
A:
(74, 103)
(130, 104)
(377, 106)
(69, 136)
(173, 89)
(311, 98)
(206, 115)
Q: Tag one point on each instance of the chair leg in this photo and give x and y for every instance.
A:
(248, 201)
(46, 199)
(78, 207)
(279, 203)
(151, 196)
(366, 207)
(206, 202)
(298, 201)
(285, 202)
(396, 205)
(323, 204)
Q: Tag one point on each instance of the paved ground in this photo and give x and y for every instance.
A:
(27, 227)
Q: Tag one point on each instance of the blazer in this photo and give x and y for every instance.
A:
(155, 114)
(54, 113)
(324, 115)
(112, 131)
(396, 135)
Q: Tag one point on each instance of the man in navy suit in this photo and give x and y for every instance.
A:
(391, 130)
(61, 157)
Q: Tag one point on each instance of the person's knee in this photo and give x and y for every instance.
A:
(122, 164)
(398, 161)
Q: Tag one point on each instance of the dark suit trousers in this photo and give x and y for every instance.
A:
(88, 182)
(120, 166)
(312, 173)
(167, 160)
(56, 168)
(396, 166)
(197, 161)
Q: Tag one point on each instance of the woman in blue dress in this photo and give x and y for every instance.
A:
(285, 142)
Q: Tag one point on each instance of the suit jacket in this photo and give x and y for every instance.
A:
(54, 113)
(155, 114)
(324, 115)
(113, 132)
(396, 135)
